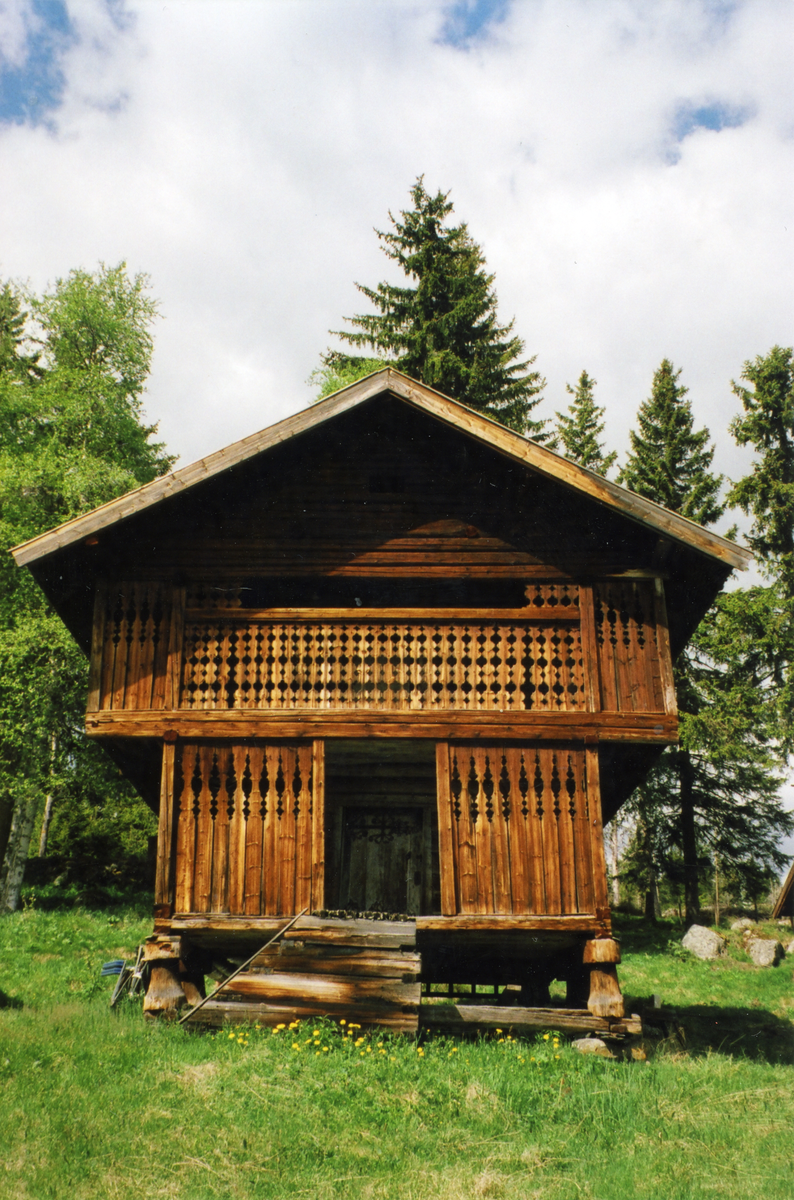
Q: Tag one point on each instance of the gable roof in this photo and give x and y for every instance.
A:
(515, 447)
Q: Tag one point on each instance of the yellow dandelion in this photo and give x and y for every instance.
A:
(532, 1059)
(545, 1037)
(500, 1041)
(325, 1049)
(232, 1036)
(369, 1049)
(498, 1031)
(343, 1021)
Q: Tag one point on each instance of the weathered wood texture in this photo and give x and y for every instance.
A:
(473, 1018)
(520, 821)
(365, 395)
(246, 829)
(630, 666)
(377, 661)
(620, 727)
(308, 975)
(131, 633)
(151, 656)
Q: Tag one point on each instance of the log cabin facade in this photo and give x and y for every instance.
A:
(390, 666)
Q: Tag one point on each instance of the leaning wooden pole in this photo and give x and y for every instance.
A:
(247, 962)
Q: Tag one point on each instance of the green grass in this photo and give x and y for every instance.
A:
(99, 1104)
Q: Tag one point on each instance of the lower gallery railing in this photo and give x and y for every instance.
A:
(519, 829)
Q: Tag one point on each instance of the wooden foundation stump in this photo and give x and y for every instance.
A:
(601, 955)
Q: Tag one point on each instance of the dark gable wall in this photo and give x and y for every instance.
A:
(387, 495)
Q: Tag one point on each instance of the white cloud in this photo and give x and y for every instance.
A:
(241, 153)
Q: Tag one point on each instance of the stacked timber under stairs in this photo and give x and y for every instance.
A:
(374, 972)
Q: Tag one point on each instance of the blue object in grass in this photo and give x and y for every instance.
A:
(115, 967)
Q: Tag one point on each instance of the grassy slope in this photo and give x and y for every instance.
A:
(102, 1105)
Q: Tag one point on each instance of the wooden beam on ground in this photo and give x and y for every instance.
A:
(482, 1018)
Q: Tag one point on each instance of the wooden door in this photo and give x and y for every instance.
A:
(382, 861)
(519, 829)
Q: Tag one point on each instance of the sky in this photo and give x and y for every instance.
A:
(626, 166)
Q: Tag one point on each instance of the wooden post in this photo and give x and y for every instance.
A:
(97, 646)
(445, 854)
(602, 956)
(318, 825)
(589, 649)
(173, 679)
(663, 642)
(163, 887)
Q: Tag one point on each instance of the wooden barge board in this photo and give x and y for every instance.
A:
(310, 723)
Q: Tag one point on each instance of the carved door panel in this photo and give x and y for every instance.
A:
(383, 863)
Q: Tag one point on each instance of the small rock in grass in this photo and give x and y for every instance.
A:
(743, 923)
(703, 942)
(790, 947)
(592, 1045)
(765, 952)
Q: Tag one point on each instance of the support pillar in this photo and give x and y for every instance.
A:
(602, 955)
(172, 981)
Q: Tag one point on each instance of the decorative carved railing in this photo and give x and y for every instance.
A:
(149, 653)
(248, 831)
(384, 662)
(517, 831)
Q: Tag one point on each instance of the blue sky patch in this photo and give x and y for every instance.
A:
(30, 92)
(467, 20)
(713, 115)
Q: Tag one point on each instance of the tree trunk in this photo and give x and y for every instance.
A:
(17, 853)
(688, 838)
(45, 824)
(615, 861)
(717, 913)
(50, 801)
(6, 818)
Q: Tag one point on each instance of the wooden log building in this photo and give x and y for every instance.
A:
(392, 664)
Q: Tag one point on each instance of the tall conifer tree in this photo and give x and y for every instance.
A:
(716, 795)
(670, 461)
(442, 327)
(767, 495)
(580, 430)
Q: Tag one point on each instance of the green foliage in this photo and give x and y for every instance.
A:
(670, 461)
(72, 438)
(444, 329)
(580, 430)
(100, 1103)
(767, 495)
(716, 799)
(339, 370)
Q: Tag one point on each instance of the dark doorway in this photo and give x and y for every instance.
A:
(382, 827)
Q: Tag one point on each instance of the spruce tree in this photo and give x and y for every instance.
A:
(670, 461)
(580, 430)
(767, 495)
(714, 799)
(442, 326)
